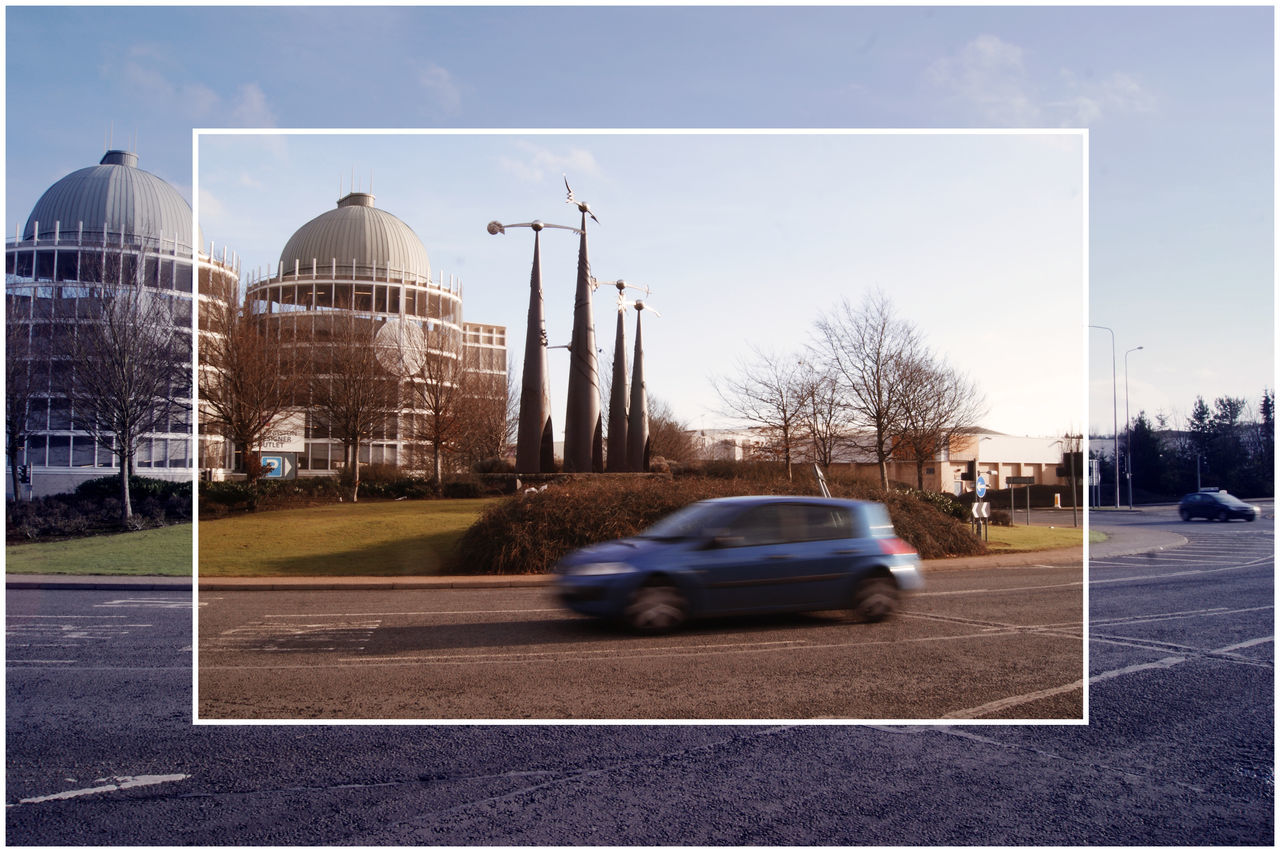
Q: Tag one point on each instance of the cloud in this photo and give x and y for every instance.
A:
(538, 163)
(992, 77)
(989, 74)
(250, 108)
(151, 74)
(438, 83)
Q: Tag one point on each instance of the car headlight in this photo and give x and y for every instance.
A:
(596, 569)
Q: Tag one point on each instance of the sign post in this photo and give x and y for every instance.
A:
(1021, 480)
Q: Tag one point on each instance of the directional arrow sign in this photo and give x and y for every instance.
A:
(981, 487)
(280, 466)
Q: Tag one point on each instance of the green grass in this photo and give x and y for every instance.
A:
(404, 538)
(1024, 538)
(165, 551)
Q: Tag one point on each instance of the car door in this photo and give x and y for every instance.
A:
(825, 547)
(744, 569)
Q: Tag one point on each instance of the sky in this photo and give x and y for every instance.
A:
(742, 239)
(1178, 103)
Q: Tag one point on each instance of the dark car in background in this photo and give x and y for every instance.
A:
(1216, 505)
(740, 555)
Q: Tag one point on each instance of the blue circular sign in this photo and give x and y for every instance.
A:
(981, 487)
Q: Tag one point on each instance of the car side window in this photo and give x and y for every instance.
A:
(824, 523)
(757, 526)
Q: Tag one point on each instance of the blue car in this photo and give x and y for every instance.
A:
(745, 555)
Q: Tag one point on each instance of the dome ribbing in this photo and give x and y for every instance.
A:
(356, 230)
(115, 194)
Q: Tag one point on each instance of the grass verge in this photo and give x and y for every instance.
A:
(1024, 538)
(407, 538)
(165, 551)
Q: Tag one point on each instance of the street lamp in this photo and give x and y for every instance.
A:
(1128, 431)
(1115, 425)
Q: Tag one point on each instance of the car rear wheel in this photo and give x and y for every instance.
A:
(656, 608)
(1186, 515)
(875, 599)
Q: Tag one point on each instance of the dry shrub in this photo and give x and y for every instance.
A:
(527, 533)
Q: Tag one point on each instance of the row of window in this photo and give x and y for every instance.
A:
(362, 298)
(57, 414)
(166, 273)
(83, 451)
(66, 302)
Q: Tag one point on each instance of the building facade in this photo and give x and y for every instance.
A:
(360, 273)
(95, 231)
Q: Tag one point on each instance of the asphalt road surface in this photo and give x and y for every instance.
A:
(975, 644)
(1179, 748)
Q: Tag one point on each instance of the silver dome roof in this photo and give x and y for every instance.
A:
(118, 194)
(356, 230)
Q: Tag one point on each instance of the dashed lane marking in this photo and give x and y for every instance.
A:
(107, 785)
(151, 603)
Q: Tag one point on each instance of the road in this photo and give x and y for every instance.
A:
(1179, 748)
(975, 644)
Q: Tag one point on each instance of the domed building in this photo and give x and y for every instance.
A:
(97, 229)
(359, 270)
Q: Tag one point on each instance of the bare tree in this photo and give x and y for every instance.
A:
(769, 392)
(872, 353)
(823, 416)
(438, 382)
(941, 402)
(22, 385)
(245, 378)
(488, 422)
(130, 365)
(668, 437)
(351, 393)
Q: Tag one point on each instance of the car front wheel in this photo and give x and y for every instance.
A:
(875, 599)
(656, 608)
(1223, 516)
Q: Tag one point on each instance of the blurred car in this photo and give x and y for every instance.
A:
(745, 555)
(1215, 505)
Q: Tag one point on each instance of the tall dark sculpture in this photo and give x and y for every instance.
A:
(535, 447)
(616, 458)
(583, 428)
(638, 425)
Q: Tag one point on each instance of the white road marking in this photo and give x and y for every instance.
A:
(118, 783)
(1012, 701)
(320, 636)
(1248, 644)
(997, 591)
(575, 655)
(425, 612)
(11, 615)
(153, 603)
(1170, 662)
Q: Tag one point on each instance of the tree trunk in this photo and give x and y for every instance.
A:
(920, 474)
(17, 483)
(126, 505)
(355, 472)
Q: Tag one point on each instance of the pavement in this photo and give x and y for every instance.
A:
(1122, 540)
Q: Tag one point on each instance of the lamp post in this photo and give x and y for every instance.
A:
(1115, 425)
(1128, 430)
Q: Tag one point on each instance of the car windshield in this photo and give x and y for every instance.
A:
(1229, 500)
(692, 521)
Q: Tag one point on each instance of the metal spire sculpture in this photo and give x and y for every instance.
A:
(616, 450)
(535, 446)
(638, 425)
(583, 428)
